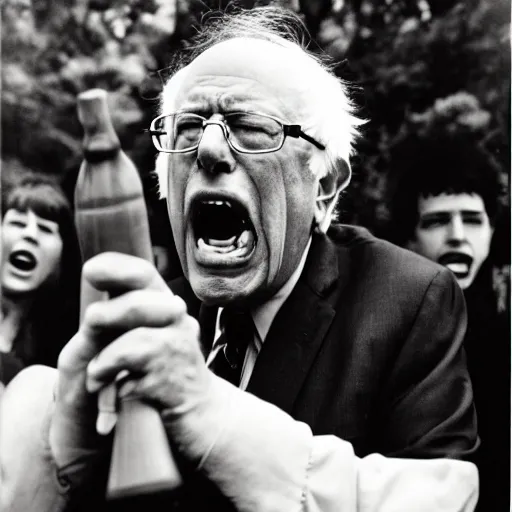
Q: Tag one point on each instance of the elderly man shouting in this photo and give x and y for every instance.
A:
(299, 364)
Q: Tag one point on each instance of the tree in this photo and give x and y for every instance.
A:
(403, 55)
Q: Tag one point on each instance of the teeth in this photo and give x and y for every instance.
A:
(243, 240)
(222, 243)
(227, 246)
(217, 202)
(458, 267)
(209, 247)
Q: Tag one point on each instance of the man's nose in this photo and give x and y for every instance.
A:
(31, 229)
(456, 230)
(213, 153)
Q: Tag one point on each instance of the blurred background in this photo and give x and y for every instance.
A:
(416, 65)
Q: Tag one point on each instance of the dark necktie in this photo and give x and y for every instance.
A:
(237, 331)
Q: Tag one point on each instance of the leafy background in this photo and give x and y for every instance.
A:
(415, 64)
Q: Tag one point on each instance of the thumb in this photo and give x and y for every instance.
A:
(116, 273)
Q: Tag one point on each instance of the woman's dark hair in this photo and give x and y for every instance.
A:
(54, 314)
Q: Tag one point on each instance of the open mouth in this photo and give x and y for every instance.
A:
(223, 230)
(23, 260)
(459, 263)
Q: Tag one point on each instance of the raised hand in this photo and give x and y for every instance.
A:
(143, 329)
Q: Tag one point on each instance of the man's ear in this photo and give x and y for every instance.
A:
(329, 188)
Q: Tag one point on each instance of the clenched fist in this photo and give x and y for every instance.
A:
(142, 328)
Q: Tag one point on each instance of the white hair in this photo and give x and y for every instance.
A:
(167, 102)
(329, 114)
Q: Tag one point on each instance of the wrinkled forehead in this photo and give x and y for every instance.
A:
(279, 72)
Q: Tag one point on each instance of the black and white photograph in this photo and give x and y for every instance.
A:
(255, 256)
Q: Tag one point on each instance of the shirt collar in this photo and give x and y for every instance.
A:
(264, 314)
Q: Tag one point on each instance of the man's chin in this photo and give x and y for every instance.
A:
(220, 275)
(222, 291)
(220, 286)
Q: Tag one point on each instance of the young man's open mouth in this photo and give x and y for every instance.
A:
(458, 262)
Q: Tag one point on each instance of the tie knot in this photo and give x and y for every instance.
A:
(236, 322)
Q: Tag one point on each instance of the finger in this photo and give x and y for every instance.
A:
(167, 351)
(72, 365)
(76, 354)
(148, 388)
(107, 409)
(116, 273)
(131, 351)
(134, 309)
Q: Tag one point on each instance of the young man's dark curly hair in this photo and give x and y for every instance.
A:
(428, 167)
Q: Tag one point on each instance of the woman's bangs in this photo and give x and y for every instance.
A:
(43, 200)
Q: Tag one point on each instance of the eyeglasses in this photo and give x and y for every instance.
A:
(245, 132)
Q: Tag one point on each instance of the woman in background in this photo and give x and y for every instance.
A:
(39, 276)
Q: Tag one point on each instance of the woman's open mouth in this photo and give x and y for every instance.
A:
(223, 231)
(23, 260)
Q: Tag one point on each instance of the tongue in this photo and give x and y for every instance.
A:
(245, 242)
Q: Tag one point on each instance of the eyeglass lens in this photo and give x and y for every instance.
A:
(246, 131)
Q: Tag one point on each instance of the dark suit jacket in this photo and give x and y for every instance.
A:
(367, 347)
(487, 345)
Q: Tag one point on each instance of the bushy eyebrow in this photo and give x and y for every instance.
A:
(192, 108)
(472, 212)
(430, 216)
(444, 217)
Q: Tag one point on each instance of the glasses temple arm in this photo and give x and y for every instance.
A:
(154, 132)
(294, 130)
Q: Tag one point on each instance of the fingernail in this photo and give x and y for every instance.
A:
(107, 409)
(105, 422)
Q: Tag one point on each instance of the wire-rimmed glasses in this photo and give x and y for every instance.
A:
(245, 132)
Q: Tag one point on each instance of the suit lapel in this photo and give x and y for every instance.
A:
(299, 328)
